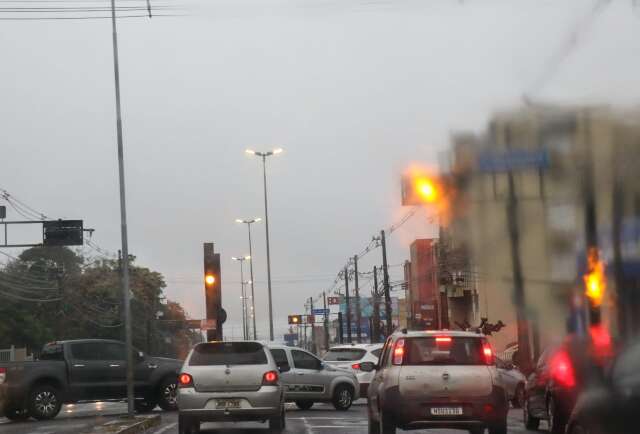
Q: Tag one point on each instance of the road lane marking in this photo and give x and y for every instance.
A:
(166, 428)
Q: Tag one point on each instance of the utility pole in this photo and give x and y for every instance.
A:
(340, 330)
(358, 311)
(385, 283)
(375, 329)
(123, 219)
(314, 349)
(348, 302)
(326, 322)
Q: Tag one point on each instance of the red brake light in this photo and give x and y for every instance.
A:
(487, 353)
(356, 366)
(3, 375)
(185, 380)
(398, 352)
(562, 369)
(270, 378)
(443, 339)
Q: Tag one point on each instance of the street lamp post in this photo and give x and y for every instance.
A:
(264, 156)
(253, 296)
(245, 329)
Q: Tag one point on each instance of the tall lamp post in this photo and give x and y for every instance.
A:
(264, 156)
(245, 329)
(253, 296)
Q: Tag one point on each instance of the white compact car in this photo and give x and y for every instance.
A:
(351, 356)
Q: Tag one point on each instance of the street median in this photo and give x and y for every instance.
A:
(127, 425)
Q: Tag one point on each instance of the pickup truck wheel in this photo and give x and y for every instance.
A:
(167, 394)
(144, 406)
(15, 413)
(304, 405)
(342, 397)
(44, 402)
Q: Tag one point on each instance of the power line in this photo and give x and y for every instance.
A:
(96, 17)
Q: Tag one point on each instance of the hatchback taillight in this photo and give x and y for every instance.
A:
(185, 380)
(398, 352)
(487, 353)
(562, 369)
(270, 378)
(3, 375)
(355, 366)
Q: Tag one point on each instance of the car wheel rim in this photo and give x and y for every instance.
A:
(170, 393)
(45, 403)
(344, 398)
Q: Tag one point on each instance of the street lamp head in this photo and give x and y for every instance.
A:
(250, 151)
(247, 257)
(278, 151)
(257, 219)
(239, 221)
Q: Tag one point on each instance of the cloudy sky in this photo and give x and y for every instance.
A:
(353, 90)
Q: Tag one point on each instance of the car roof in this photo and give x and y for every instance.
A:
(428, 333)
(358, 346)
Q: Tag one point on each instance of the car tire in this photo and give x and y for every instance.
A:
(187, 425)
(44, 402)
(144, 405)
(278, 424)
(168, 393)
(304, 405)
(518, 397)
(386, 424)
(557, 421)
(530, 422)
(16, 413)
(374, 425)
(342, 397)
(500, 428)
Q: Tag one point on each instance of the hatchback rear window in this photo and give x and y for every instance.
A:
(344, 354)
(228, 353)
(444, 351)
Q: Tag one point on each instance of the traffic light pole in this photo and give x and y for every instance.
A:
(357, 291)
(348, 302)
(123, 219)
(326, 322)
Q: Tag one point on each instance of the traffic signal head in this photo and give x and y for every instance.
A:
(295, 319)
(595, 281)
(209, 279)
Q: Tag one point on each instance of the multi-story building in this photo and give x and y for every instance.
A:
(555, 154)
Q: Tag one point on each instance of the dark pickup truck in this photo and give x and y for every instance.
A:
(84, 370)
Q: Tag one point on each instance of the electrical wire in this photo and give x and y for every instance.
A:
(29, 299)
(95, 17)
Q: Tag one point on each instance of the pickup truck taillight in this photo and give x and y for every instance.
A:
(3, 375)
(185, 380)
(356, 366)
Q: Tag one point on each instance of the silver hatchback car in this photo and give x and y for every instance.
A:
(230, 381)
(436, 379)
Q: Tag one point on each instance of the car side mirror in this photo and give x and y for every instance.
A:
(368, 366)
(284, 368)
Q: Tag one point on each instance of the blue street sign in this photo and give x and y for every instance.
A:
(321, 311)
(515, 159)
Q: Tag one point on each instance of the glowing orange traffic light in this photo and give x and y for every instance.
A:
(426, 188)
(209, 279)
(295, 319)
(595, 280)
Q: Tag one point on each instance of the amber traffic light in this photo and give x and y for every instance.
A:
(209, 280)
(295, 319)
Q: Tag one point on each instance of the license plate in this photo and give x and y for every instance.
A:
(446, 411)
(228, 403)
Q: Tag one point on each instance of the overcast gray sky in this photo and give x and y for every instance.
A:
(353, 90)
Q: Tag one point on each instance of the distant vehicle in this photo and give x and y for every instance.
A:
(308, 380)
(436, 379)
(351, 356)
(84, 370)
(230, 381)
(514, 382)
(550, 392)
(612, 407)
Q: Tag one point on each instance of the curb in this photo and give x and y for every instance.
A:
(138, 424)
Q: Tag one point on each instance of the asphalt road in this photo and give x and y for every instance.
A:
(321, 419)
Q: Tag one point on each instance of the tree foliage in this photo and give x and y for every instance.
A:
(54, 293)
